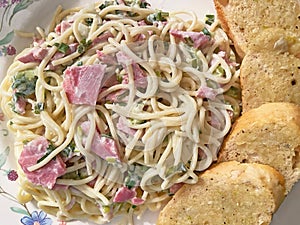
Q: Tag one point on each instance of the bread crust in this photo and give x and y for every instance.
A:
(268, 135)
(268, 76)
(244, 20)
(227, 193)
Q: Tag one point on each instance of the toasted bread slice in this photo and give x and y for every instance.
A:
(269, 134)
(228, 193)
(244, 20)
(269, 76)
(276, 41)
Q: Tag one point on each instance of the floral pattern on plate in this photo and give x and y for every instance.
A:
(30, 218)
(9, 9)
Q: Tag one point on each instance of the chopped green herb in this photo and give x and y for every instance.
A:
(80, 63)
(234, 92)
(39, 107)
(24, 82)
(132, 14)
(206, 31)
(106, 209)
(210, 19)
(62, 47)
(157, 16)
(189, 41)
(130, 183)
(80, 49)
(89, 21)
(194, 60)
(23, 86)
(176, 169)
(105, 4)
(25, 142)
(119, 77)
(83, 46)
(136, 121)
(212, 84)
(76, 175)
(220, 71)
(144, 4)
(68, 151)
(134, 175)
(111, 160)
(50, 149)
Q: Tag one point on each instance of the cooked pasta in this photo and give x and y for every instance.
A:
(116, 106)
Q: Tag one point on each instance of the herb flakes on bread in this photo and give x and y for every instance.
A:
(269, 77)
(227, 193)
(269, 134)
(244, 20)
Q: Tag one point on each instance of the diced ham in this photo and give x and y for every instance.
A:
(62, 27)
(72, 49)
(38, 41)
(117, 96)
(105, 58)
(137, 201)
(214, 121)
(102, 38)
(199, 39)
(60, 187)
(223, 55)
(122, 126)
(71, 204)
(92, 183)
(121, 2)
(103, 146)
(140, 77)
(82, 83)
(175, 187)
(123, 59)
(20, 105)
(206, 92)
(46, 175)
(59, 55)
(142, 23)
(35, 55)
(124, 194)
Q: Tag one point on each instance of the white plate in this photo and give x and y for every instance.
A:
(25, 15)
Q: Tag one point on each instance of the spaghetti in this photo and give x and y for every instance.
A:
(116, 106)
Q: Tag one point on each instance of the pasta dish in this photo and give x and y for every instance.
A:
(118, 105)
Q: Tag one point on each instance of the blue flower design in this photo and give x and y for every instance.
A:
(36, 219)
